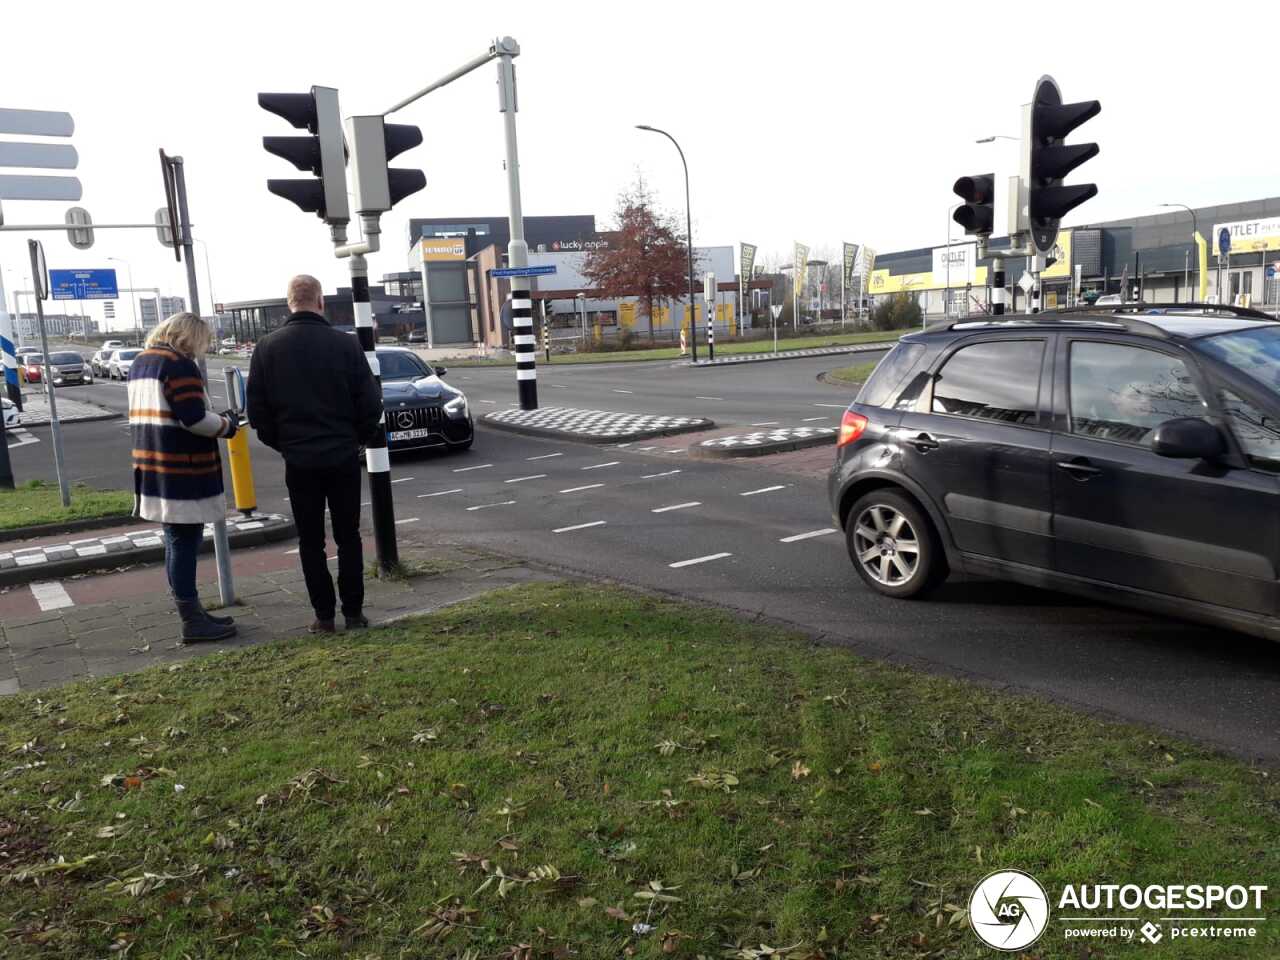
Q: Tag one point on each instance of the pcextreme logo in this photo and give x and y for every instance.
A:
(1010, 910)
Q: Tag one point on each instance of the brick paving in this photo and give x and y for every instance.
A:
(126, 633)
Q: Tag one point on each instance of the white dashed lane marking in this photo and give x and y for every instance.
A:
(665, 473)
(767, 423)
(708, 398)
(51, 595)
(404, 480)
(808, 536)
(752, 493)
(536, 476)
(677, 506)
(838, 406)
(811, 419)
(708, 557)
(616, 390)
(440, 493)
(465, 469)
(589, 486)
(597, 466)
(545, 456)
(486, 506)
(407, 520)
(579, 526)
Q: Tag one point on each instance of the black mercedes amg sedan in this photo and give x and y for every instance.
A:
(422, 411)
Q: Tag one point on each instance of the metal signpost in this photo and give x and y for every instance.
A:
(709, 301)
(40, 281)
(776, 310)
(1224, 258)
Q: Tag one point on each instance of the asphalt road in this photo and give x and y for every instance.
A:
(755, 538)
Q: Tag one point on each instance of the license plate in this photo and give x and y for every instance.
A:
(408, 434)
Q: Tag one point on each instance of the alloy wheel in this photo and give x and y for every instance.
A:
(886, 545)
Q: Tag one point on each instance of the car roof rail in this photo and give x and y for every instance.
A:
(1244, 313)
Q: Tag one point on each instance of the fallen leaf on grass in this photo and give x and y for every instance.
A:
(799, 770)
(61, 865)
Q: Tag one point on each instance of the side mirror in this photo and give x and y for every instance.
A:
(1188, 438)
(441, 371)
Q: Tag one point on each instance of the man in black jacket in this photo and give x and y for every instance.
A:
(313, 398)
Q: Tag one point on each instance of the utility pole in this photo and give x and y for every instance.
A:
(176, 180)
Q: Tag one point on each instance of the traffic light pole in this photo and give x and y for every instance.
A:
(221, 545)
(9, 373)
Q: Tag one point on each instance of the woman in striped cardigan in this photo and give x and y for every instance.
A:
(177, 472)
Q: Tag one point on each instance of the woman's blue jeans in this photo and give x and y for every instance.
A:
(181, 549)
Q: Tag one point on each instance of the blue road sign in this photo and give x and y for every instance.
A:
(1224, 242)
(524, 271)
(83, 285)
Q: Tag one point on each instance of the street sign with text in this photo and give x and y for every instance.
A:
(83, 284)
(538, 271)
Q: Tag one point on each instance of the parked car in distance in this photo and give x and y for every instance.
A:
(67, 367)
(417, 336)
(11, 416)
(31, 368)
(109, 345)
(118, 365)
(422, 411)
(1131, 455)
(98, 362)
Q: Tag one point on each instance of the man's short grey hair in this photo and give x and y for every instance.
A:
(304, 291)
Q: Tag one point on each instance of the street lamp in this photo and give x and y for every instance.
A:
(1195, 241)
(688, 220)
(133, 294)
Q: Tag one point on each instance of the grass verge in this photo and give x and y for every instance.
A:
(722, 349)
(38, 502)
(537, 773)
(857, 373)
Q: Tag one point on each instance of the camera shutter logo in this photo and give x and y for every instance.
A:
(405, 419)
(1008, 910)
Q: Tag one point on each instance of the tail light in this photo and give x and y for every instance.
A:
(851, 427)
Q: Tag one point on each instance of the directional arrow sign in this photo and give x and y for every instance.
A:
(22, 187)
(83, 284)
(48, 156)
(40, 123)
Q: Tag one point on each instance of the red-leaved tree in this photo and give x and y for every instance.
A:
(647, 259)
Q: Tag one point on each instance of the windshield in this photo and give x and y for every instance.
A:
(129, 354)
(61, 358)
(401, 366)
(34, 358)
(1255, 352)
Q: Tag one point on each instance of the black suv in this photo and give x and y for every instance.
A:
(1132, 456)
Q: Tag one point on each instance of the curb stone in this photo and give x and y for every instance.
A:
(591, 426)
(762, 443)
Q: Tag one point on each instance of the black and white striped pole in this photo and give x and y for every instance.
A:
(709, 300)
(523, 339)
(546, 332)
(999, 293)
(376, 459)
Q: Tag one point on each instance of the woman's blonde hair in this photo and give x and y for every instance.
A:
(185, 332)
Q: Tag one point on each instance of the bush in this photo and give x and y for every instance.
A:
(896, 313)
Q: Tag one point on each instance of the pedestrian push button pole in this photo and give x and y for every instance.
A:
(238, 447)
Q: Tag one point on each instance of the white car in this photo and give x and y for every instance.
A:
(108, 346)
(11, 416)
(121, 360)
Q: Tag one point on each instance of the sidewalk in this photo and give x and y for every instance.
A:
(121, 633)
(35, 408)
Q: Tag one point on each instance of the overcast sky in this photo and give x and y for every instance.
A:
(816, 122)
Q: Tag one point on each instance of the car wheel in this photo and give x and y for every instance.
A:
(893, 545)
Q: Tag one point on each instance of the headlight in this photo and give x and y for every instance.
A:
(457, 407)
(57, 380)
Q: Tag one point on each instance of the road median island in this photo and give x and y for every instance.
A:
(35, 412)
(108, 550)
(35, 508)
(591, 426)
(761, 443)
(580, 771)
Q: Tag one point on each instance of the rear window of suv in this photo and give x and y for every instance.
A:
(889, 374)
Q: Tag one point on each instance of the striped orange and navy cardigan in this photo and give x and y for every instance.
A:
(177, 473)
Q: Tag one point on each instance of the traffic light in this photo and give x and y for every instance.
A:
(1046, 160)
(323, 154)
(978, 193)
(374, 142)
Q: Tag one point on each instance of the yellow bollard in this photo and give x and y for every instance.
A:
(242, 471)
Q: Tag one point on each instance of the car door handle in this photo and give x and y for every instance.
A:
(923, 442)
(1079, 467)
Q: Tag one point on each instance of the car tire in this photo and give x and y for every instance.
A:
(895, 527)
